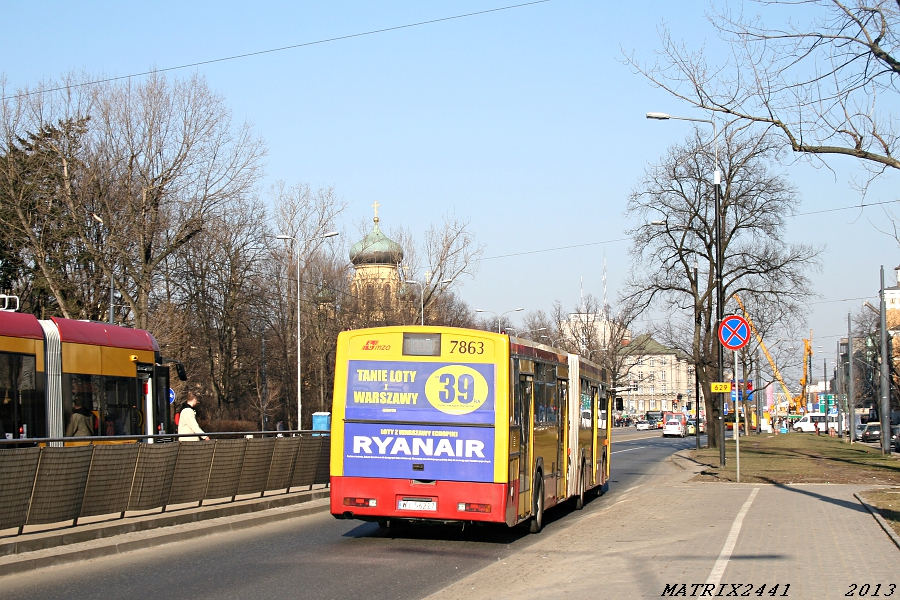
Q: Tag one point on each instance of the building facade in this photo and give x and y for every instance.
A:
(660, 379)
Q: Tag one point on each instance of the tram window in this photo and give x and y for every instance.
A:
(113, 400)
(121, 414)
(22, 410)
(86, 391)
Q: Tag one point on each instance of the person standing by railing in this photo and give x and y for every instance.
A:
(187, 420)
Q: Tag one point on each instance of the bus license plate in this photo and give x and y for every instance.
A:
(416, 505)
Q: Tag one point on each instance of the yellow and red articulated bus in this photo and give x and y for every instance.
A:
(47, 367)
(461, 425)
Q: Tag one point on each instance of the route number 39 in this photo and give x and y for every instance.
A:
(462, 347)
(456, 389)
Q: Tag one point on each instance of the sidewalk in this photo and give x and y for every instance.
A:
(103, 538)
(669, 531)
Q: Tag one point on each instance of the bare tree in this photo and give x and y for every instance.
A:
(217, 274)
(136, 170)
(304, 215)
(825, 79)
(449, 251)
(757, 264)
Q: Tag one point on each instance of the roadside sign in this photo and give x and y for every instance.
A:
(720, 387)
(734, 332)
(171, 396)
(833, 410)
(726, 408)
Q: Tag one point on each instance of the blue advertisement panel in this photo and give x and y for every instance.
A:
(446, 453)
(420, 391)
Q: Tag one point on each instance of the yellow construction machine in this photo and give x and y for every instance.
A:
(798, 401)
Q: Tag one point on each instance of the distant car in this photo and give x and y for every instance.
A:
(692, 427)
(872, 432)
(673, 427)
(895, 438)
(860, 427)
(643, 425)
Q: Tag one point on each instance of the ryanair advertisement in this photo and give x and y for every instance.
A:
(441, 399)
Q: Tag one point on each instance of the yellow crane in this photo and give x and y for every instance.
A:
(795, 401)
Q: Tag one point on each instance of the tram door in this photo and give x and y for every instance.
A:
(146, 392)
(521, 428)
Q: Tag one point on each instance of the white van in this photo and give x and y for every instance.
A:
(807, 424)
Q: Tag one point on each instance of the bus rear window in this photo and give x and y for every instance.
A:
(421, 344)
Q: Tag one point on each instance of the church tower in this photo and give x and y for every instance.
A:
(375, 259)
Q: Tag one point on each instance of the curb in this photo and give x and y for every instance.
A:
(884, 524)
(683, 455)
(207, 528)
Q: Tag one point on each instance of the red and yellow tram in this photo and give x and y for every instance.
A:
(48, 366)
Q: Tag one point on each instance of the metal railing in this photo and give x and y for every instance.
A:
(55, 480)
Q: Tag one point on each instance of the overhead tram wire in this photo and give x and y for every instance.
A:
(814, 212)
(280, 49)
(558, 248)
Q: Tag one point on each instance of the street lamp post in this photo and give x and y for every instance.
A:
(421, 297)
(720, 294)
(422, 294)
(300, 252)
(500, 316)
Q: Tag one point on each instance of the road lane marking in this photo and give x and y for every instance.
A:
(719, 568)
(628, 449)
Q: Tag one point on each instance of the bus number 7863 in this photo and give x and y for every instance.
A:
(462, 347)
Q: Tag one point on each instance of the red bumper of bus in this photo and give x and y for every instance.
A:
(372, 499)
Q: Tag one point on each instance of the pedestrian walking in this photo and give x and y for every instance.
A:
(187, 421)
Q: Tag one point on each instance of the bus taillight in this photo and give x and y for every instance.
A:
(361, 502)
(472, 507)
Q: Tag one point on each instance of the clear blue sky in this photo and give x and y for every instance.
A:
(524, 120)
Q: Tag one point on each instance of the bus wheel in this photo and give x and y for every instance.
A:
(537, 505)
(579, 499)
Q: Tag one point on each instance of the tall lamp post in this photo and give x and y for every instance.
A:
(300, 252)
(422, 294)
(720, 294)
(500, 316)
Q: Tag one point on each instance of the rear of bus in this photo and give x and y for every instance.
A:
(420, 425)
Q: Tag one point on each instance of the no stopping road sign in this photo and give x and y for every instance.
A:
(734, 332)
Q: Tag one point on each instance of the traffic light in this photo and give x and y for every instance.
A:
(620, 403)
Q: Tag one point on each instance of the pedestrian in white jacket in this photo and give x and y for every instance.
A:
(187, 420)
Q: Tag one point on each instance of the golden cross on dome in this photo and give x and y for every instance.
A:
(375, 206)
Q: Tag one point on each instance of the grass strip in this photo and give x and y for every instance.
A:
(799, 458)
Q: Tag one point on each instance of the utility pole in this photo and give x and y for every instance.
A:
(851, 403)
(885, 377)
(720, 303)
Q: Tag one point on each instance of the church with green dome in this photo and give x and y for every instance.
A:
(376, 258)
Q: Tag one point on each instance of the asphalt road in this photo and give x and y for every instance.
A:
(321, 557)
